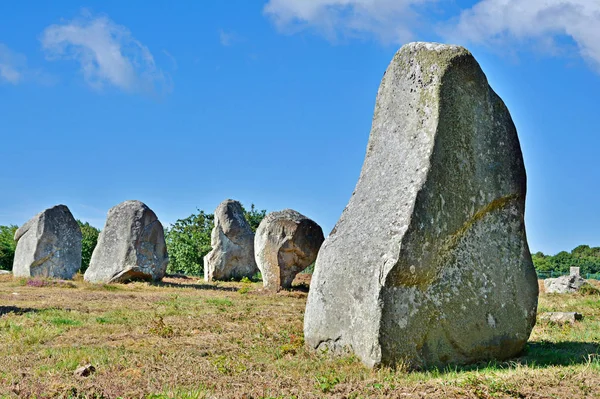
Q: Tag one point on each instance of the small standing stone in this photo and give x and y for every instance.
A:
(286, 243)
(232, 241)
(48, 245)
(130, 247)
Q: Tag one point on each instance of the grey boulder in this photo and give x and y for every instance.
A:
(561, 317)
(48, 245)
(130, 247)
(232, 241)
(429, 263)
(286, 243)
(564, 284)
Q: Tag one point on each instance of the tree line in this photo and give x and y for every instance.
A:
(585, 257)
(188, 241)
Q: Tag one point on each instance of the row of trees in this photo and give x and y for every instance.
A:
(585, 257)
(188, 241)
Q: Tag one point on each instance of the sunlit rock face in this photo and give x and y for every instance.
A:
(286, 243)
(130, 247)
(429, 262)
(48, 245)
(232, 241)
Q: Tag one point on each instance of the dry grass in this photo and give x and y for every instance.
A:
(188, 339)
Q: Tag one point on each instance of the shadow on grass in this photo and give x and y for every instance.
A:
(302, 287)
(543, 353)
(205, 287)
(536, 355)
(16, 310)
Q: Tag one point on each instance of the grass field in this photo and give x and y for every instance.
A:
(184, 338)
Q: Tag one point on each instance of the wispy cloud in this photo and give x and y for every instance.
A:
(14, 69)
(171, 58)
(228, 38)
(387, 20)
(12, 65)
(556, 27)
(107, 53)
(544, 23)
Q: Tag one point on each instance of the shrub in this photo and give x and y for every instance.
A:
(89, 239)
(7, 246)
(588, 289)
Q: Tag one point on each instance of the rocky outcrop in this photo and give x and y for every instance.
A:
(130, 247)
(48, 245)
(232, 241)
(564, 284)
(286, 243)
(429, 262)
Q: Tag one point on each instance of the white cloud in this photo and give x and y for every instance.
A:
(12, 65)
(555, 27)
(546, 22)
(388, 20)
(107, 52)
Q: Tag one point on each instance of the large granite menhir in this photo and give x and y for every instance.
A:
(286, 243)
(130, 247)
(48, 245)
(429, 262)
(232, 241)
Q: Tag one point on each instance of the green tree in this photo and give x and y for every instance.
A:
(542, 262)
(254, 216)
(89, 239)
(7, 246)
(188, 241)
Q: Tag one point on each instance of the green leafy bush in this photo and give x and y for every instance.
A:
(188, 241)
(89, 239)
(7, 246)
(588, 289)
(254, 216)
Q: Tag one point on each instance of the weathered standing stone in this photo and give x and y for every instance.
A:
(232, 241)
(286, 243)
(564, 284)
(429, 262)
(48, 245)
(130, 247)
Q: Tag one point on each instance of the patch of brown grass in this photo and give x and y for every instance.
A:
(186, 338)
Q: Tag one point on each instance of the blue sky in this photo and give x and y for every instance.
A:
(184, 104)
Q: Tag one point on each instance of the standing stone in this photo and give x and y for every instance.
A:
(130, 247)
(574, 271)
(429, 262)
(286, 243)
(48, 245)
(232, 241)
